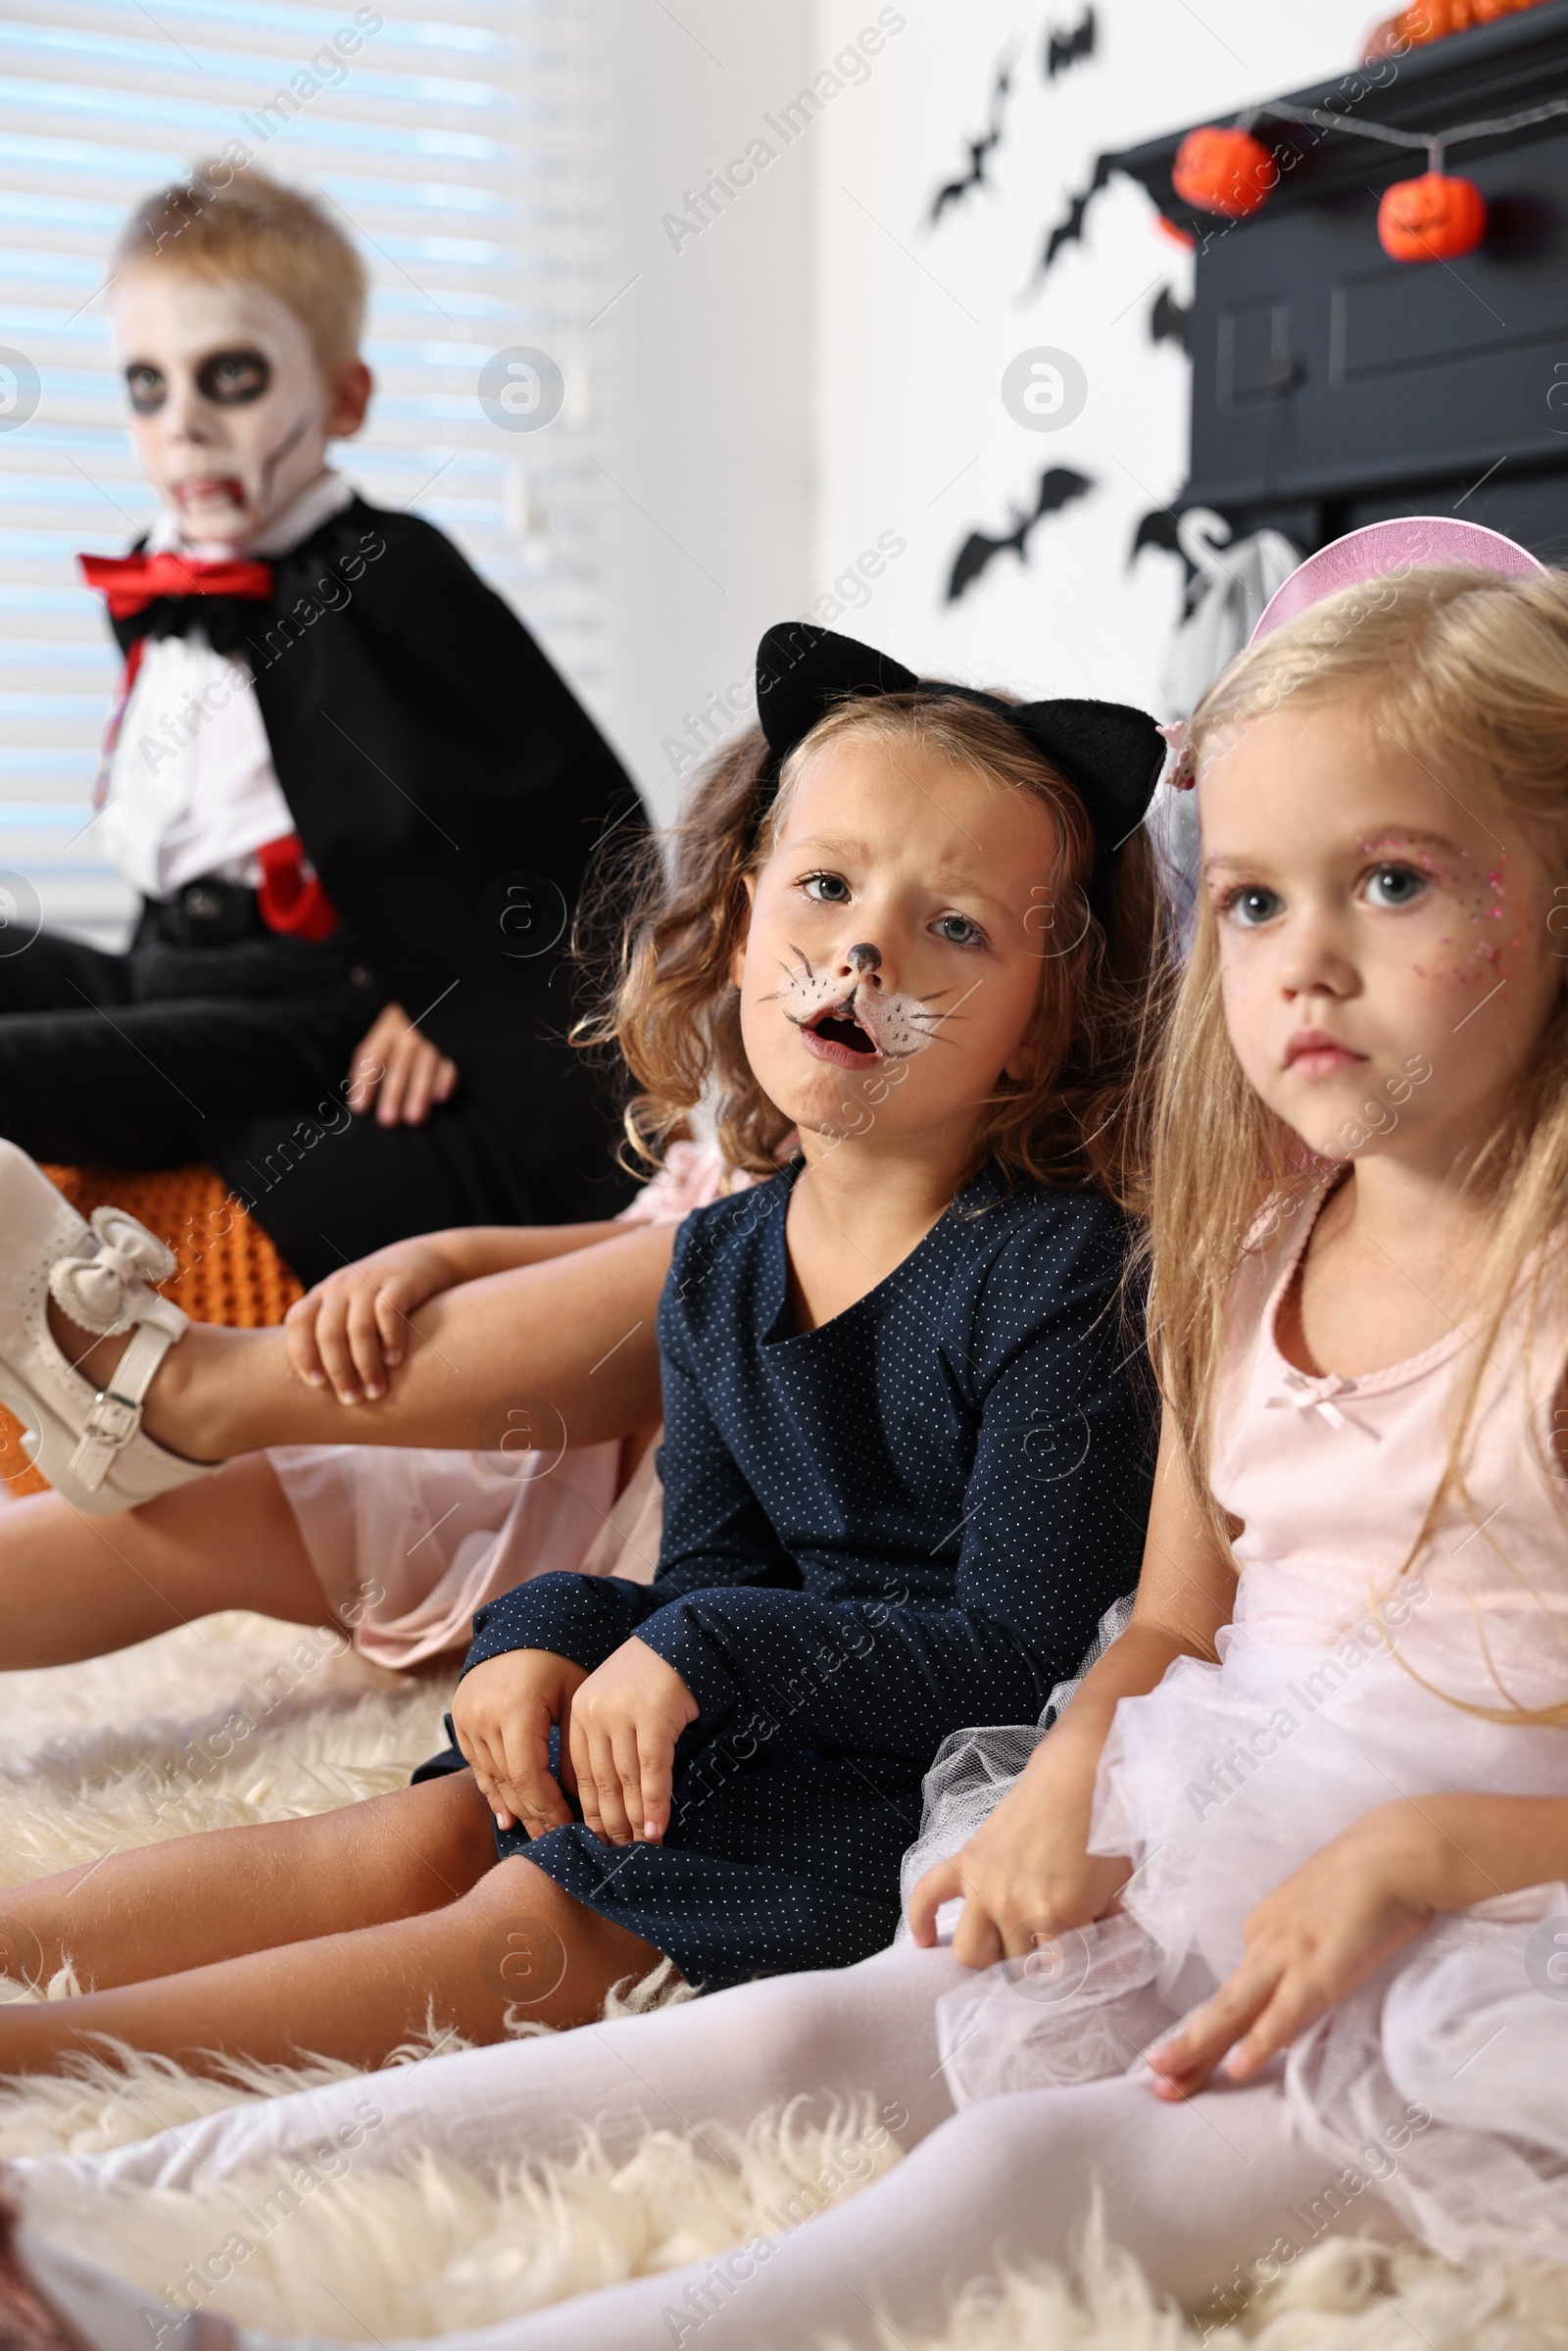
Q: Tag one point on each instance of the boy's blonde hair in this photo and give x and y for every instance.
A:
(228, 222)
(1469, 673)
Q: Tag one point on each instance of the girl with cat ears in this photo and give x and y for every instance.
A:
(907, 1443)
(1095, 916)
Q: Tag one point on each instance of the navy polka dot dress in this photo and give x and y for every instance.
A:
(875, 1532)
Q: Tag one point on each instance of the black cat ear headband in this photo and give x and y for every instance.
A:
(1110, 754)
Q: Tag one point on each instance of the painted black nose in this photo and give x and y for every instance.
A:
(865, 958)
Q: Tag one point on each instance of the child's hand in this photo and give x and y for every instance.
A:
(352, 1330)
(626, 1719)
(503, 1715)
(400, 1070)
(1026, 1874)
(1328, 1926)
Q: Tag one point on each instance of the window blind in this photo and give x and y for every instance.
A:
(461, 151)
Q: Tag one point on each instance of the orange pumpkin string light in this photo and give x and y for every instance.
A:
(1436, 216)
(1225, 172)
(1433, 21)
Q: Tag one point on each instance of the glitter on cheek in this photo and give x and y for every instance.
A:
(1460, 973)
(1482, 899)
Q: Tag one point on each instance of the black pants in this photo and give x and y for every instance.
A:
(235, 1051)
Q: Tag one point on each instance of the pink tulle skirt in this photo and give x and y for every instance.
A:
(408, 1544)
(1441, 2079)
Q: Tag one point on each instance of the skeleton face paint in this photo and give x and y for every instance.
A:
(855, 1023)
(229, 401)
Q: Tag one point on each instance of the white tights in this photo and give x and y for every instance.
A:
(1189, 2190)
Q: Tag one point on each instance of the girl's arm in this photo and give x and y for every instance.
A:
(353, 1329)
(709, 1513)
(1360, 1899)
(563, 1649)
(565, 1345)
(1027, 1874)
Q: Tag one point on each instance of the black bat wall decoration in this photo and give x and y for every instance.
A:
(1156, 528)
(1064, 49)
(977, 149)
(1068, 231)
(1058, 487)
(1168, 320)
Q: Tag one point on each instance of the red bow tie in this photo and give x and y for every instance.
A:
(131, 582)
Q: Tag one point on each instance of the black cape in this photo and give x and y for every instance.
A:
(452, 794)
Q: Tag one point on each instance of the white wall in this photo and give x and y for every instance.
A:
(782, 387)
(913, 327)
(705, 387)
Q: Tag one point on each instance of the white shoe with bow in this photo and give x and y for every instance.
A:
(88, 1442)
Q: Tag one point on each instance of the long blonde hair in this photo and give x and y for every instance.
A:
(1470, 673)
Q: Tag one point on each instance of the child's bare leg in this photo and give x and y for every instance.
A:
(511, 1940)
(574, 1334)
(75, 1587)
(195, 1901)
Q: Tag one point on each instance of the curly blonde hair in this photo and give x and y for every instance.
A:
(674, 1013)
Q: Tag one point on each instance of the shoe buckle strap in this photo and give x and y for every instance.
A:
(114, 1415)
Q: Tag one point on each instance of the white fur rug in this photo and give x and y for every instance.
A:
(120, 1752)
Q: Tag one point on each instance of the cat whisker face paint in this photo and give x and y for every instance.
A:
(857, 1023)
(880, 925)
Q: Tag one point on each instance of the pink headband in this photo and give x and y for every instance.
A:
(1399, 545)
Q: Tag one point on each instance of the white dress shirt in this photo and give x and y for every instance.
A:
(192, 789)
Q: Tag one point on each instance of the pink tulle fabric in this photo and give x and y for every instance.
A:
(1345, 1682)
(1402, 544)
(411, 1543)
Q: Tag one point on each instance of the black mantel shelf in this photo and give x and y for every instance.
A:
(1332, 386)
(1501, 68)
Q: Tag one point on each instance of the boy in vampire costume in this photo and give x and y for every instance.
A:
(356, 799)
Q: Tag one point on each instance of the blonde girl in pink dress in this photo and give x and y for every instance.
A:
(1269, 1940)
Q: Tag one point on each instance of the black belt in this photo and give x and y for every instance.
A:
(206, 913)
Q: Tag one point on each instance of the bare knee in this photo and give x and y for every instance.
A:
(550, 1956)
(442, 1829)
